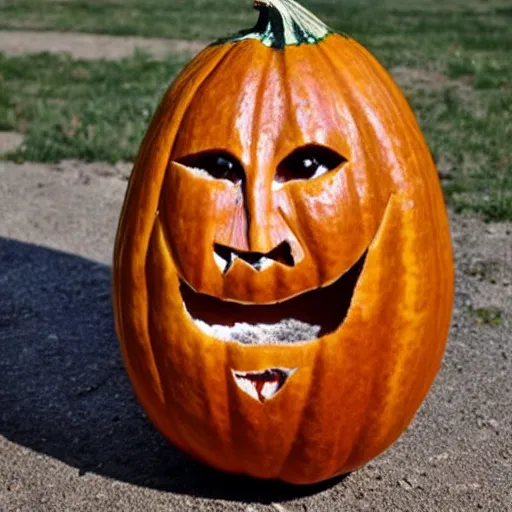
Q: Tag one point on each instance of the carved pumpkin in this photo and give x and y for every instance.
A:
(283, 271)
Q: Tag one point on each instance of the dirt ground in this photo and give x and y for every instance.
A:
(9, 141)
(72, 437)
(92, 46)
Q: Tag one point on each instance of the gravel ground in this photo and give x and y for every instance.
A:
(72, 437)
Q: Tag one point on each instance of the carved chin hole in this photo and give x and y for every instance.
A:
(305, 317)
(263, 385)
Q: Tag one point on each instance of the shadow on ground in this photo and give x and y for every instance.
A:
(63, 389)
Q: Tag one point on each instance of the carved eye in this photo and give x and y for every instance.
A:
(217, 164)
(308, 162)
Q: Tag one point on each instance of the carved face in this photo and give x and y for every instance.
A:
(282, 274)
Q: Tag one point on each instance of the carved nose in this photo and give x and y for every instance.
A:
(225, 256)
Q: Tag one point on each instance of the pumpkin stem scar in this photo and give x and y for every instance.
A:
(283, 23)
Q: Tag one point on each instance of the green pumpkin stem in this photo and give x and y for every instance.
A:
(283, 23)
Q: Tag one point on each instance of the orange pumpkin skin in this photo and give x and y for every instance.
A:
(355, 389)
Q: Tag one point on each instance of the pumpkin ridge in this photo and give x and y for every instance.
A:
(353, 109)
(191, 95)
(297, 439)
(297, 230)
(322, 98)
(395, 93)
(302, 433)
(193, 92)
(359, 106)
(136, 182)
(345, 462)
(287, 84)
(256, 120)
(401, 355)
(396, 107)
(179, 430)
(176, 428)
(364, 429)
(321, 346)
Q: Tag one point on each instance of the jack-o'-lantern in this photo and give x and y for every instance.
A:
(283, 273)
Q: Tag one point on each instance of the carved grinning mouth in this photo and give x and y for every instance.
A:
(305, 317)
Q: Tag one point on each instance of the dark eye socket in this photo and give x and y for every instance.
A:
(218, 164)
(308, 162)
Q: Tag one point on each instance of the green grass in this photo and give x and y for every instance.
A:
(468, 124)
(453, 57)
(431, 21)
(487, 316)
(81, 109)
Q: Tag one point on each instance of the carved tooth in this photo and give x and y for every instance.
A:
(220, 261)
(269, 389)
(223, 263)
(247, 386)
(230, 262)
(262, 263)
(265, 262)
